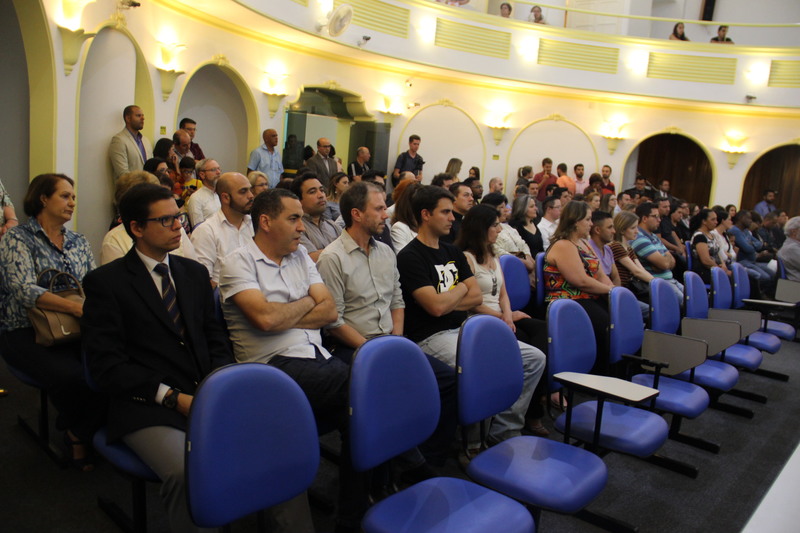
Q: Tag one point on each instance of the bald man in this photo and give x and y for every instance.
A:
(321, 163)
(266, 158)
(227, 229)
(495, 185)
(357, 168)
(182, 142)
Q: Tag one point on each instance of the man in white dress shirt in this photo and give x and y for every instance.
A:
(205, 202)
(547, 225)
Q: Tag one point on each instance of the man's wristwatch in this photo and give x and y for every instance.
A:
(170, 400)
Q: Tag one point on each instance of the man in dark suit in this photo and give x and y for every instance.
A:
(321, 163)
(151, 336)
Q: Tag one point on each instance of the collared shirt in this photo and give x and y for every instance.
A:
(202, 204)
(763, 208)
(790, 255)
(546, 228)
(248, 268)
(581, 185)
(216, 238)
(270, 163)
(606, 256)
(366, 288)
(150, 264)
(645, 244)
(25, 252)
(509, 241)
(137, 138)
(117, 243)
(316, 237)
(196, 151)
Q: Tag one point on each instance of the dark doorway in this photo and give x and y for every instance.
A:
(778, 169)
(681, 161)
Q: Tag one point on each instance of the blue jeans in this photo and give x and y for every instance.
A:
(443, 346)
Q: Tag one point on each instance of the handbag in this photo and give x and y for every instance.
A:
(640, 289)
(57, 327)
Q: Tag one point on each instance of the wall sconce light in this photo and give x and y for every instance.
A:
(71, 11)
(71, 43)
(274, 103)
(733, 146)
(412, 105)
(273, 87)
(497, 133)
(168, 78)
(392, 105)
(497, 120)
(169, 53)
(612, 132)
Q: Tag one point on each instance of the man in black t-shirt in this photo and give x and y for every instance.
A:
(438, 290)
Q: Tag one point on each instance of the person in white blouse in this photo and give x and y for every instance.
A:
(404, 225)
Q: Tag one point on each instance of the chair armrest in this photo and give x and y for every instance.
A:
(770, 303)
(614, 388)
(749, 320)
(644, 361)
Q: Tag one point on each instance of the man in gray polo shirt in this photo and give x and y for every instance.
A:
(320, 230)
(274, 304)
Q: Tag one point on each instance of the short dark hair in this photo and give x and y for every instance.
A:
(662, 180)
(152, 164)
(469, 181)
(676, 204)
(270, 203)
(548, 202)
(440, 178)
(550, 189)
(297, 183)
(41, 185)
(455, 186)
(609, 167)
(767, 191)
(135, 204)
(371, 174)
(576, 166)
(185, 121)
(547, 161)
(355, 197)
(558, 192)
(187, 162)
(521, 189)
(644, 209)
(413, 138)
(562, 167)
(595, 178)
(427, 198)
(722, 27)
(494, 199)
(621, 194)
(599, 216)
(740, 215)
(663, 199)
(639, 177)
(128, 111)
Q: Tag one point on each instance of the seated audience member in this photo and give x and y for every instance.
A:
(474, 172)
(749, 251)
(563, 194)
(523, 215)
(722, 36)
(642, 188)
(600, 237)
(505, 10)
(462, 202)
(777, 230)
(360, 165)
(663, 190)
(258, 182)
(476, 239)
(680, 221)
(571, 270)
(653, 255)
(790, 251)
(165, 150)
(404, 224)
(767, 202)
(549, 222)
(147, 352)
(187, 167)
(626, 228)
(677, 33)
(519, 190)
(117, 242)
(190, 126)
(8, 216)
(26, 251)
(477, 188)
(666, 232)
(158, 167)
(608, 204)
(361, 274)
(377, 176)
(766, 233)
(227, 229)
(182, 141)
(731, 209)
(623, 201)
(767, 254)
(508, 241)
(593, 199)
(339, 183)
(705, 248)
(320, 230)
(439, 288)
(204, 202)
(727, 254)
(442, 179)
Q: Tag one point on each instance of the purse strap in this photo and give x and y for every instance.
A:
(58, 274)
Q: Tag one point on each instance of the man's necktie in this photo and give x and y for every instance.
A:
(170, 297)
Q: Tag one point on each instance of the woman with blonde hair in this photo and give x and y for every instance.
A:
(258, 182)
(453, 167)
(608, 203)
(593, 199)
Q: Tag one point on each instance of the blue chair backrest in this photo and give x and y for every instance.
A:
(741, 285)
(394, 400)
(540, 280)
(571, 344)
(517, 282)
(689, 257)
(627, 328)
(251, 443)
(781, 269)
(721, 293)
(696, 296)
(488, 368)
(665, 307)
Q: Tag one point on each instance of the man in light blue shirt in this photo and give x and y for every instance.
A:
(266, 158)
(767, 203)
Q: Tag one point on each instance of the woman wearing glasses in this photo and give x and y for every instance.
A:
(27, 250)
(479, 231)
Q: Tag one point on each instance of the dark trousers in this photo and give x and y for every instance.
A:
(59, 370)
(325, 383)
(533, 331)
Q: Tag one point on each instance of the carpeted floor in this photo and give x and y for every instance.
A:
(37, 496)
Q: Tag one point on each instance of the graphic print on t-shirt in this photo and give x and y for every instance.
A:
(448, 276)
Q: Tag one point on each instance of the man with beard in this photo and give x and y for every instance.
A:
(227, 229)
(320, 230)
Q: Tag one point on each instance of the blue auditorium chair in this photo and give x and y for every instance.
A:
(517, 281)
(679, 398)
(542, 473)
(251, 443)
(741, 293)
(394, 405)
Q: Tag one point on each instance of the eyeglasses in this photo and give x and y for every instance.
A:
(168, 221)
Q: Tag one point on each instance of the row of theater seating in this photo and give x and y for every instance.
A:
(392, 381)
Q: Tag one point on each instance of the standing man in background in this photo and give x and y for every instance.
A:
(266, 158)
(129, 149)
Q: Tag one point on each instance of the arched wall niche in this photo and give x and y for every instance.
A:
(777, 167)
(247, 128)
(111, 55)
(680, 157)
(435, 124)
(545, 137)
(213, 97)
(41, 64)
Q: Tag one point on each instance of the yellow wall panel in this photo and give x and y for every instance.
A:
(784, 73)
(473, 39)
(578, 56)
(685, 67)
(379, 16)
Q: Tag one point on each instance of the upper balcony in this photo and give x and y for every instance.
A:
(622, 50)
